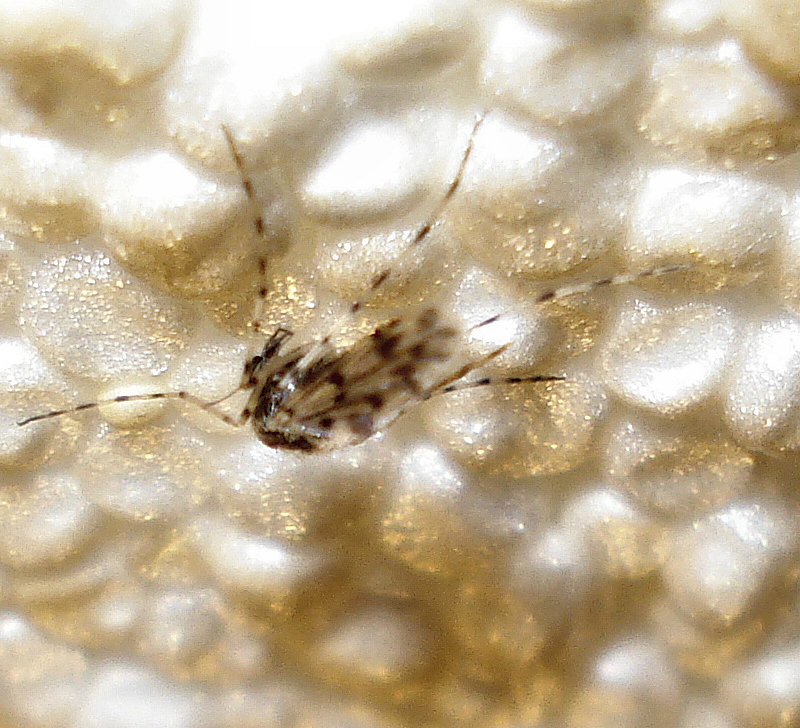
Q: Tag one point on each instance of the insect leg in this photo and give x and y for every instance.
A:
(185, 396)
(433, 218)
(315, 351)
(617, 280)
(258, 225)
(461, 372)
(491, 381)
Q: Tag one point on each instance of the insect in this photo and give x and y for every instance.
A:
(316, 397)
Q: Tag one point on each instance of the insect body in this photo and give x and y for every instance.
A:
(337, 397)
(343, 397)
(315, 396)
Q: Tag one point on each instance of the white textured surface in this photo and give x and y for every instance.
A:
(617, 549)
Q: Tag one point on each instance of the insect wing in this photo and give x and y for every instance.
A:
(347, 396)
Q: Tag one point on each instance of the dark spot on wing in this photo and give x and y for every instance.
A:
(385, 344)
(412, 385)
(374, 400)
(427, 319)
(405, 369)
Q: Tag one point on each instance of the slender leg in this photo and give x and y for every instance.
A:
(186, 396)
(258, 224)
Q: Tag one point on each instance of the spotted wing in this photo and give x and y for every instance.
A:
(347, 396)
